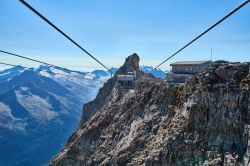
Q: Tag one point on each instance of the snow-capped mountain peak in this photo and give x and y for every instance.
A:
(7, 74)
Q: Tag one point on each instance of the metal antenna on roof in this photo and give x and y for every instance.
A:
(211, 54)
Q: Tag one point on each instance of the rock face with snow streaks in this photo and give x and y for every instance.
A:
(201, 122)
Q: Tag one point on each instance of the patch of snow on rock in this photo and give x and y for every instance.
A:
(45, 74)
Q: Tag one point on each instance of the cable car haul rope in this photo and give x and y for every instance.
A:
(64, 34)
(203, 33)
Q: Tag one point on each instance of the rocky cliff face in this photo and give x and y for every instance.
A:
(201, 122)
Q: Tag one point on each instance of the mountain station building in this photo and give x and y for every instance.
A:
(181, 70)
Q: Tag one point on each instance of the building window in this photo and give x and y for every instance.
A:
(121, 83)
(129, 83)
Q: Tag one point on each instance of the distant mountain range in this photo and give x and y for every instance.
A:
(158, 73)
(40, 108)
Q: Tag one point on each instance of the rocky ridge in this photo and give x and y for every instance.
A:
(201, 122)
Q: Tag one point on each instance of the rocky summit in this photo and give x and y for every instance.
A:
(202, 122)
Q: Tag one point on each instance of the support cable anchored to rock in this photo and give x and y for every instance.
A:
(203, 33)
(64, 34)
(30, 59)
(7, 64)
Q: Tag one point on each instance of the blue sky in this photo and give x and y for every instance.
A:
(113, 29)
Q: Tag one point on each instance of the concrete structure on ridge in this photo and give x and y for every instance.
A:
(126, 81)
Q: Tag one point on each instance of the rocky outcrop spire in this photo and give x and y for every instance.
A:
(131, 64)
